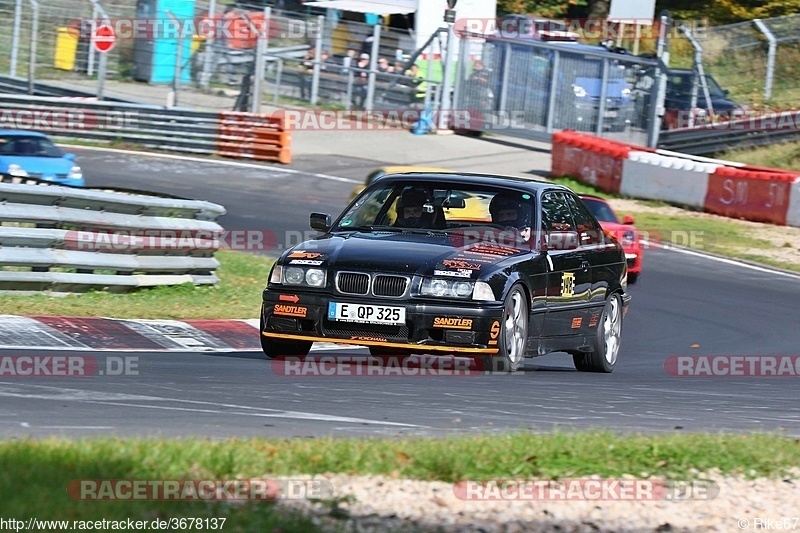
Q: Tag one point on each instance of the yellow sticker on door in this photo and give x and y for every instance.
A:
(567, 284)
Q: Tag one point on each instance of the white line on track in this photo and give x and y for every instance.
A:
(724, 260)
(215, 162)
(103, 398)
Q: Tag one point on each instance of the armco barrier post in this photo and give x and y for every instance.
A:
(34, 38)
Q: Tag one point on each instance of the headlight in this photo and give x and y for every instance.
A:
(315, 277)
(628, 238)
(462, 289)
(445, 288)
(312, 277)
(580, 92)
(294, 276)
(277, 275)
(483, 292)
(438, 287)
(75, 173)
(626, 93)
(16, 170)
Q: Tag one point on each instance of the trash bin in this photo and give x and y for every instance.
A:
(66, 48)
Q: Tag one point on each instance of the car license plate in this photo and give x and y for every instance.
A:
(611, 114)
(367, 314)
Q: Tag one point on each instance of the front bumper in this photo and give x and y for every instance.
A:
(430, 325)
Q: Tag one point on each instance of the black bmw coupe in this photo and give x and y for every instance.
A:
(491, 267)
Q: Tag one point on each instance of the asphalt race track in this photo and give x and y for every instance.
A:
(684, 304)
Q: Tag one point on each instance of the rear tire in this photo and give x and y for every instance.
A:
(607, 341)
(632, 278)
(513, 338)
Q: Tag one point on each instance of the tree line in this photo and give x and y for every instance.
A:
(715, 11)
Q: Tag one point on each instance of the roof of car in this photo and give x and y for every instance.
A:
(474, 179)
(26, 133)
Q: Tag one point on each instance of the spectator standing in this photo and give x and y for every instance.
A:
(361, 81)
(306, 72)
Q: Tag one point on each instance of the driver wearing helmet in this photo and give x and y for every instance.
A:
(411, 211)
(511, 210)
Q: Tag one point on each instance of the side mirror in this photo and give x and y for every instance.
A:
(320, 222)
(561, 240)
(628, 220)
(726, 92)
(71, 157)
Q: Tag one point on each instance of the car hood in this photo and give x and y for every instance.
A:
(39, 165)
(452, 254)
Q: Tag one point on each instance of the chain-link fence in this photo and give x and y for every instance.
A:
(532, 88)
(208, 54)
(757, 62)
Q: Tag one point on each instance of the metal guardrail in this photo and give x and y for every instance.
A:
(66, 239)
(174, 129)
(740, 133)
(17, 85)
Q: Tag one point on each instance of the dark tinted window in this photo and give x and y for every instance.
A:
(601, 210)
(30, 146)
(556, 214)
(590, 230)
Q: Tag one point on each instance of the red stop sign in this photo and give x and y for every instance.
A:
(103, 38)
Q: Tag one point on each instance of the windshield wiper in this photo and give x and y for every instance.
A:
(397, 229)
(391, 229)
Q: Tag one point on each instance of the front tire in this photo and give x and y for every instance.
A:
(513, 338)
(607, 341)
(274, 348)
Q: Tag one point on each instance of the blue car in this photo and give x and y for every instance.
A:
(29, 154)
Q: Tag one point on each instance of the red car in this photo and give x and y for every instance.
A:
(624, 232)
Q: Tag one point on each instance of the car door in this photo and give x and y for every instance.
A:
(569, 282)
(593, 245)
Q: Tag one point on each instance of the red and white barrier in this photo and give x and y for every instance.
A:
(681, 181)
(793, 214)
(589, 159)
(724, 188)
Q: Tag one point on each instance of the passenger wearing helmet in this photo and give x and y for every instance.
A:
(511, 210)
(411, 210)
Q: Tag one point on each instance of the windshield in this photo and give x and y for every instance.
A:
(601, 210)
(28, 146)
(422, 205)
(681, 84)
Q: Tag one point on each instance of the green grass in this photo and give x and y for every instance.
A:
(715, 236)
(35, 474)
(237, 295)
(721, 237)
(582, 188)
(784, 155)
